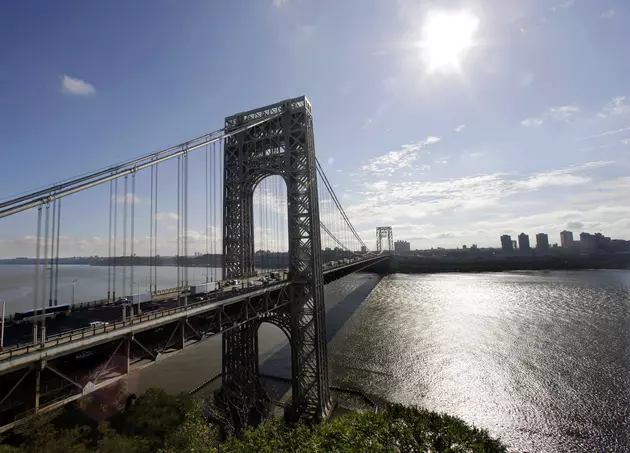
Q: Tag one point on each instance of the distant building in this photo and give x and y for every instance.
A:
(523, 242)
(363, 249)
(514, 246)
(506, 243)
(542, 242)
(566, 239)
(402, 246)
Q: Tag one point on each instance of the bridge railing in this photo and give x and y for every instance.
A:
(88, 331)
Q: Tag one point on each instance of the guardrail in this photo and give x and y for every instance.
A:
(85, 332)
(101, 302)
(81, 333)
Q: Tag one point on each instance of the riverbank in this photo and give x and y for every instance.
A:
(176, 423)
(431, 265)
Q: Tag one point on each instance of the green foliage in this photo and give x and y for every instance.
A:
(396, 429)
(161, 423)
(41, 436)
(156, 415)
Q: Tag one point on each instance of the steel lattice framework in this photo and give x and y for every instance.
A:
(284, 146)
(384, 232)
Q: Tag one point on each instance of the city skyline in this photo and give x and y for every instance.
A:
(516, 131)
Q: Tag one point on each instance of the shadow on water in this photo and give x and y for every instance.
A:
(279, 363)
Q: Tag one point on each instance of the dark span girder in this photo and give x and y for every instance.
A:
(282, 146)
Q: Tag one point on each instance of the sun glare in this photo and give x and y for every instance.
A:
(446, 38)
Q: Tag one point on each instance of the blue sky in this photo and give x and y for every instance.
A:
(530, 132)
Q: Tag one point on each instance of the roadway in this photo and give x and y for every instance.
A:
(22, 334)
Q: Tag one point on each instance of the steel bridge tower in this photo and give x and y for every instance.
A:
(284, 146)
(384, 232)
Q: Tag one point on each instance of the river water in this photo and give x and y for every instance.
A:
(540, 359)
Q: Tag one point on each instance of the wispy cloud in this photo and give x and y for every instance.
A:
(564, 5)
(609, 14)
(402, 201)
(129, 198)
(168, 216)
(532, 122)
(617, 106)
(395, 160)
(564, 113)
(605, 134)
(278, 3)
(626, 141)
(460, 128)
(76, 86)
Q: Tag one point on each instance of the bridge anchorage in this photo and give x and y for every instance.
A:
(281, 146)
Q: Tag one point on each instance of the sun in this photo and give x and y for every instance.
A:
(446, 38)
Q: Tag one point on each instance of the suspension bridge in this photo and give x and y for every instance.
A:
(244, 203)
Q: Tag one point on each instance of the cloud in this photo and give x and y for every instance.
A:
(626, 141)
(608, 14)
(395, 160)
(331, 160)
(574, 225)
(166, 216)
(617, 106)
(604, 134)
(76, 86)
(564, 113)
(460, 128)
(278, 3)
(567, 4)
(532, 122)
(129, 198)
(408, 201)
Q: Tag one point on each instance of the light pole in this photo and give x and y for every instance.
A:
(73, 282)
(147, 283)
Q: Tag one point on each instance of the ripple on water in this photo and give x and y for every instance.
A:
(541, 359)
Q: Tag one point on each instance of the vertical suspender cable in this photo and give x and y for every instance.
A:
(37, 266)
(124, 253)
(57, 257)
(207, 232)
(152, 215)
(46, 239)
(52, 254)
(155, 233)
(115, 237)
(133, 232)
(109, 247)
(179, 217)
(186, 217)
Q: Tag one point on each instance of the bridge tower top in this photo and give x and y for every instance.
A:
(387, 234)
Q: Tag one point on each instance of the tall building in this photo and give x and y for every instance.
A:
(523, 242)
(542, 242)
(402, 246)
(506, 243)
(514, 246)
(363, 249)
(566, 239)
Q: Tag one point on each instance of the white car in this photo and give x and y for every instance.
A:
(99, 323)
